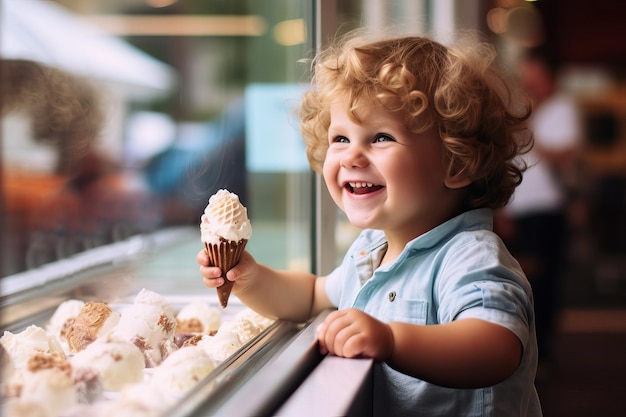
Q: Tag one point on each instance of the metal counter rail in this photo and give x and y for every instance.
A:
(336, 387)
(263, 382)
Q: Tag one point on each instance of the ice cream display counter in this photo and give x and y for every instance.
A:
(275, 370)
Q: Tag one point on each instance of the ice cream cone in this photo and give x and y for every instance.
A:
(225, 255)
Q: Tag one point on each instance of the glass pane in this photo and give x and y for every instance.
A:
(122, 117)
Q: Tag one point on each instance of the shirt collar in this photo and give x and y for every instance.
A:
(477, 219)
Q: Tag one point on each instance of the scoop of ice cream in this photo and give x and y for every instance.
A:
(139, 399)
(225, 342)
(7, 369)
(250, 323)
(20, 346)
(225, 218)
(51, 387)
(40, 361)
(150, 322)
(63, 317)
(154, 299)
(49, 381)
(88, 384)
(94, 320)
(17, 407)
(198, 317)
(118, 362)
(182, 370)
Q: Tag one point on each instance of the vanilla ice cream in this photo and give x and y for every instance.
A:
(198, 317)
(233, 334)
(225, 342)
(249, 324)
(20, 346)
(13, 407)
(118, 362)
(7, 368)
(225, 218)
(182, 370)
(150, 322)
(48, 380)
(138, 400)
(51, 387)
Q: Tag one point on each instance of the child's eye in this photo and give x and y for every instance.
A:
(381, 137)
(340, 139)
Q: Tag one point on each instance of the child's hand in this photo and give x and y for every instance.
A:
(351, 333)
(212, 275)
(241, 274)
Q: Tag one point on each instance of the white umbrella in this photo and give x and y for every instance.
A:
(45, 32)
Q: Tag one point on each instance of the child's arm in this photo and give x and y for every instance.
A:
(466, 353)
(288, 295)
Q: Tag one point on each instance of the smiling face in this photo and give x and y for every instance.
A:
(383, 176)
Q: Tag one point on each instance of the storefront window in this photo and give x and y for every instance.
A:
(121, 118)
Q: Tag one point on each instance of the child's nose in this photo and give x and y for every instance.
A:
(354, 157)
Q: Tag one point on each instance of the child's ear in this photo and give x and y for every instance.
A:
(457, 181)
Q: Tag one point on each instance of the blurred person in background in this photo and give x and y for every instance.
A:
(61, 193)
(534, 224)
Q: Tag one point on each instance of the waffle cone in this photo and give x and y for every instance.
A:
(225, 255)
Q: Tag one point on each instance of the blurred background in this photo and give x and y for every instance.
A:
(121, 117)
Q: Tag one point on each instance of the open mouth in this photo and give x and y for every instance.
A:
(362, 187)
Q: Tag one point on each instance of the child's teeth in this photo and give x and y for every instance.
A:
(360, 184)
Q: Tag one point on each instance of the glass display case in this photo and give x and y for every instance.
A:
(277, 372)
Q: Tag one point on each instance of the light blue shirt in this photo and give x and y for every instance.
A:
(460, 269)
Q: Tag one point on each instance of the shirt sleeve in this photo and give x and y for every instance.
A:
(495, 315)
(484, 281)
(334, 286)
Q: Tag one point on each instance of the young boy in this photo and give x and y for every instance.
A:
(416, 143)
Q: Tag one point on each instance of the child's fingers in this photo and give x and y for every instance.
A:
(321, 338)
(202, 258)
(213, 282)
(212, 276)
(242, 269)
(327, 333)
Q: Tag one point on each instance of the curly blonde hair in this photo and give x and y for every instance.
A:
(458, 91)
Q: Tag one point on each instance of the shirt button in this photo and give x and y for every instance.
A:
(392, 295)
